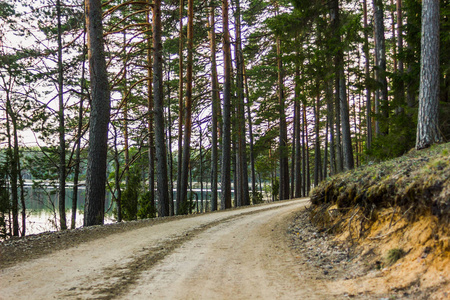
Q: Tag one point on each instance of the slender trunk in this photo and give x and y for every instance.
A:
(201, 167)
(394, 43)
(308, 173)
(61, 131)
(78, 142)
(367, 79)
(297, 123)
(125, 113)
(12, 165)
(317, 156)
(284, 163)
(331, 122)
(380, 52)
(22, 192)
(325, 152)
(346, 161)
(226, 132)
(250, 132)
(187, 114)
(241, 153)
(215, 112)
(335, 23)
(150, 108)
(117, 179)
(400, 67)
(180, 108)
(304, 151)
(169, 145)
(347, 148)
(163, 185)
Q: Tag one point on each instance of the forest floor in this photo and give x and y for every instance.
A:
(269, 251)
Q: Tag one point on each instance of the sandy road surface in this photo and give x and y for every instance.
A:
(237, 254)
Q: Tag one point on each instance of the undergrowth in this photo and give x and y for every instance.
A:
(416, 184)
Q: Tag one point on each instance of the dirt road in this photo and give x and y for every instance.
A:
(236, 254)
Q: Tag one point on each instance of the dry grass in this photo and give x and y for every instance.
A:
(395, 216)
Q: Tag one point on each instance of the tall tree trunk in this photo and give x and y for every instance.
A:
(342, 109)
(187, 113)
(242, 153)
(304, 153)
(162, 181)
(150, 107)
(125, 113)
(428, 121)
(367, 79)
(347, 149)
(306, 162)
(297, 124)
(317, 156)
(400, 68)
(180, 108)
(99, 119)
(331, 122)
(325, 152)
(226, 132)
(201, 166)
(117, 178)
(284, 163)
(215, 111)
(380, 53)
(169, 144)
(78, 142)
(250, 132)
(61, 130)
(12, 165)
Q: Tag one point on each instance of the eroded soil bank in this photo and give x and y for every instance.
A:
(363, 268)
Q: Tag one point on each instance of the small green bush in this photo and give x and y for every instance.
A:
(394, 255)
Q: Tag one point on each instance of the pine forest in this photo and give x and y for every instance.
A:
(149, 108)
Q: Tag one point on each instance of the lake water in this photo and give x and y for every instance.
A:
(42, 207)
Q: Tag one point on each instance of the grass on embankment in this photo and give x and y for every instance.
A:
(394, 216)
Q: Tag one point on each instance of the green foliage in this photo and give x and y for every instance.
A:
(130, 196)
(401, 139)
(188, 206)
(394, 255)
(276, 189)
(147, 209)
(257, 197)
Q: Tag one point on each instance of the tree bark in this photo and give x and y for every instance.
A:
(400, 68)
(380, 53)
(367, 79)
(226, 132)
(428, 121)
(162, 181)
(250, 132)
(180, 108)
(242, 153)
(150, 107)
(78, 142)
(99, 119)
(297, 124)
(215, 111)
(61, 130)
(187, 113)
(284, 163)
